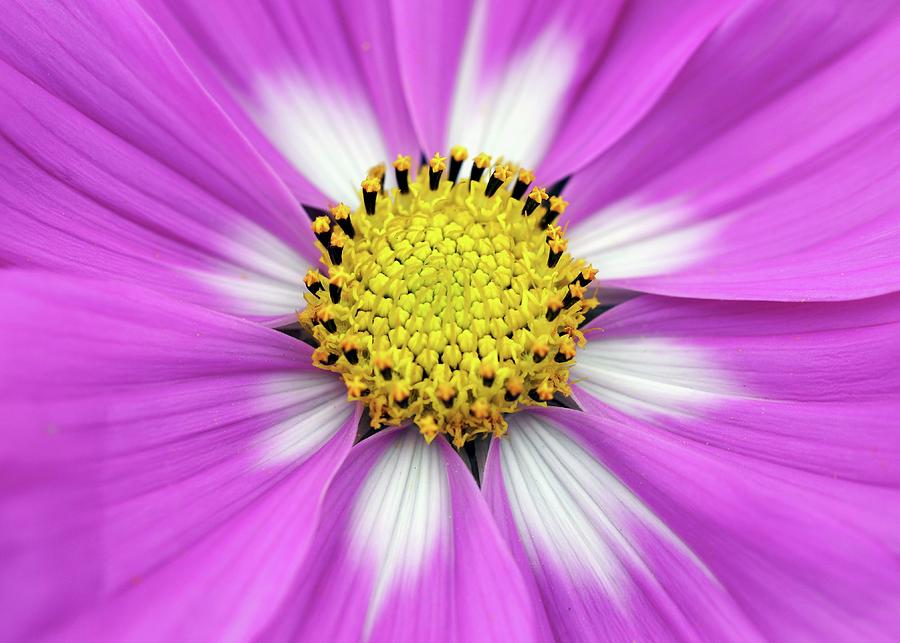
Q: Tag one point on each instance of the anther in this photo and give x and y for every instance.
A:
(313, 281)
(324, 317)
(554, 307)
(480, 409)
(586, 276)
(545, 391)
(383, 363)
(535, 198)
(371, 187)
(377, 172)
(428, 428)
(401, 171)
(321, 227)
(539, 351)
(557, 207)
(323, 357)
(350, 348)
(336, 250)
(565, 352)
(356, 388)
(498, 178)
(526, 177)
(400, 395)
(436, 166)
(458, 154)
(479, 165)
(557, 248)
(576, 293)
(335, 291)
(487, 374)
(446, 394)
(341, 214)
(514, 388)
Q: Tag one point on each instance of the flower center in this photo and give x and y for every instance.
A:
(448, 302)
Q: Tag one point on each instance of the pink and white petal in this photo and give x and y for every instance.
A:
(764, 436)
(162, 464)
(115, 162)
(605, 566)
(549, 86)
(811, 386)
(406, 551)
(700, 199)
(495, 77)
(314, 86)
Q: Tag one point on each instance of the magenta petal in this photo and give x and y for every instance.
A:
(406, 551)
(162, 464)
(603, 564)
(764, 437)
(767, 170)
(115, 162)
(315, 86)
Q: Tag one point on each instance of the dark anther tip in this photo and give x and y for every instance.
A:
(336, 254)
(551, 314)
(493, 185)
(510, 397)
(476, 174)
(330, 325)
(519, 189)
(403, 181)
(335, 291)
(533, 394)
(434, 179)
(553, 259)
(369, 200)
(352, 355)
(386, 373)
(559, 358)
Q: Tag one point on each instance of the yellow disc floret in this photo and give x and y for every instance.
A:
(447, 303)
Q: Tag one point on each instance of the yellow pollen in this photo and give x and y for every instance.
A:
(482, 160)
(502, 172)
(459, 153)
(321, 224)
(538, 194)
(340, 211)
(371, 184)
(445, 307)
(402, 163)
(558, 205)
(438, 163)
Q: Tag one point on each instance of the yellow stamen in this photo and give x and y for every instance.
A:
(449, 311)
(459, 153)
(438, 163)
(482, 160)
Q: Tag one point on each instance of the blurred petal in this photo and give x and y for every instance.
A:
(605, 567)
(315, 85)
(765, 172)
(115, 162)
(162, 465)
(765, 437)
(406, 551)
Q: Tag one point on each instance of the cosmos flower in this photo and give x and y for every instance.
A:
(646, 391)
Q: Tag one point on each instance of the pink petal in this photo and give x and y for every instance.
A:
(605, 567)
(163, 465)
(406, 551)
(114, 161)
(546, 84)
(314, 86)
(764, 437)
(765, 172)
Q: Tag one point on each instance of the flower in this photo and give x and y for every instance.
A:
(173, 467)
